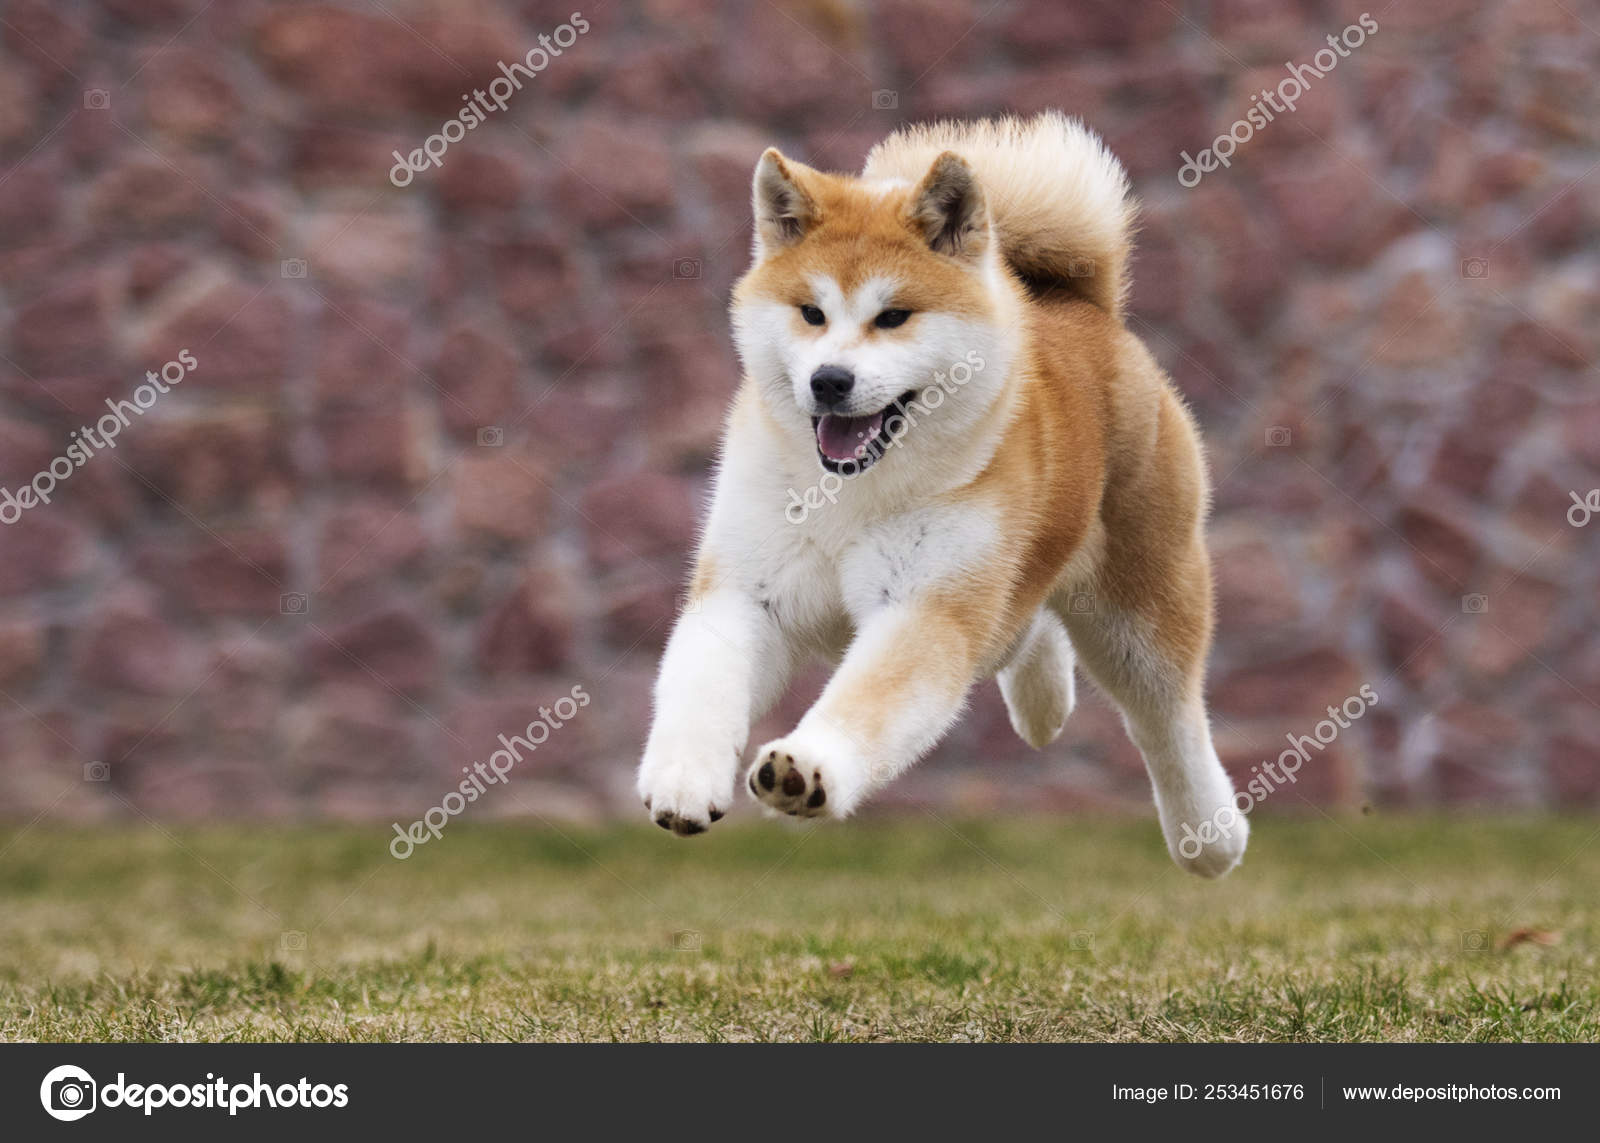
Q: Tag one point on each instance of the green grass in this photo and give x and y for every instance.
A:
(918, 929)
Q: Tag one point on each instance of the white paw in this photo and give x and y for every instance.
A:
(1038, 685)
(804, 779)
(1212, 848)
(687, 789)
(1038, 709)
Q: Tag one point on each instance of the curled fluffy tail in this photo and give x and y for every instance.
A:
(1058, 199)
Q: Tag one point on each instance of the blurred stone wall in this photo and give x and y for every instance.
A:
(444, 448)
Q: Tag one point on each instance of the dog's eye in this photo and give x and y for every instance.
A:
(813, 315)
(888, 319)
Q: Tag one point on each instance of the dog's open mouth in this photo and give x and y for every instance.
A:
(854, 444)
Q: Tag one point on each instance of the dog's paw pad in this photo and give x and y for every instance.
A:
(788, 785)
(683, 825)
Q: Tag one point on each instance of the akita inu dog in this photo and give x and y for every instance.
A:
(1011, 487)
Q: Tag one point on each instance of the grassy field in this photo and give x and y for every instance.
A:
(920, 929)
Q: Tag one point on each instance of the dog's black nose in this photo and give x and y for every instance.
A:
(831, 384)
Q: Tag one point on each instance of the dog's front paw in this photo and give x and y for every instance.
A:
(789, 784)
(685, 791)
(803, 779)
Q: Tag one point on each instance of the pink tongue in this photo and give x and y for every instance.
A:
(845, 438)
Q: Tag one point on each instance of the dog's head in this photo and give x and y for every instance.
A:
(872, 316)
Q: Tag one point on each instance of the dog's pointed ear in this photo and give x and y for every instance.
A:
(948, 208)
(784, 209)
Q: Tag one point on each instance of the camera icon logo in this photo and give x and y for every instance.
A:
(1474, 941)
(294, 603)
(491, 437)
(292, 941)
(1080, 268)
(1475, 604)
(1081, 603)
(686, 940)
(97, 99)
(1475, 267)
(1081, 940)
(292, 268)
(68, 1093)
(1279, 436)
(686, 268)
(885, 100)
(97, 772)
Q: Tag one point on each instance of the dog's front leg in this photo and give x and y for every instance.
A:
(724, 662)
(898, 690)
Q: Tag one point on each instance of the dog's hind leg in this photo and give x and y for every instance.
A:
(1037, 682)
(1143, 638)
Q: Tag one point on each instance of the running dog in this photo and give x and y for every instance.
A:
(948, 459)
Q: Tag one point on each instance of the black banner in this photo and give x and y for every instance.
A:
(323, 1090)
